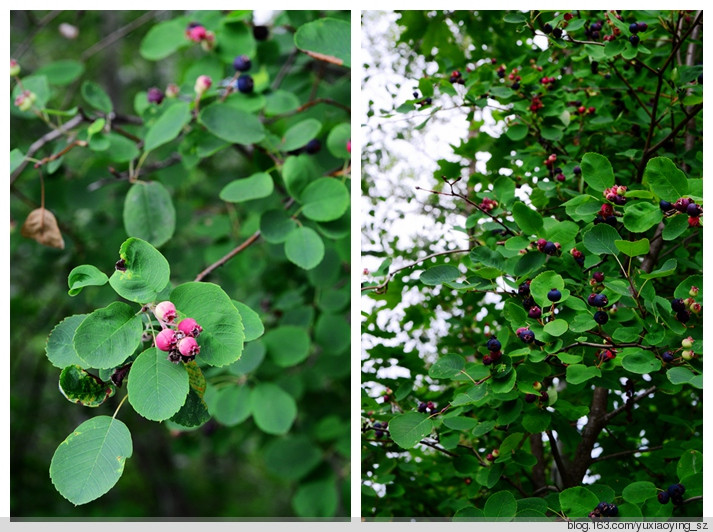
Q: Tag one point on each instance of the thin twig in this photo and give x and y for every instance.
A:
(202, 275)
(118, 34)
(623, 407)
(556, 454)
(627, 453)
(27, 43)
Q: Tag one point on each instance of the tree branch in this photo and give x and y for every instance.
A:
(623, 407)
(627, 453)
(564, 473)
(595, 423)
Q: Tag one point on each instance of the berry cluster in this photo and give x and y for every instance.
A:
(428, 407)
(634, 28)
(25, 100)
(615, 194)
(528, 303)
(531, 397)
(196, 32)
(496, 354)
(606, 355)
(492, 455)
(684, 307)
(597, 300)
(245, 82)
(379, 429)
(548, 81)
(684, 206)
(547, 247)
(606, 215)
(526, 335)
(578, 256)
(515, 78)
(536, 104)
(604, 509)
(180, 342)
(424, 101)
(674, 493)
(456, 77)
(488, 204)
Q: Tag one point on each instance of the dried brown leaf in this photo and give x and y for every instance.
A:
(41, 225)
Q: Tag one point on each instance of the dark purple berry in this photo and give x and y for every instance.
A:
(528, 303)
(550, 248)
(535, 312)
(554, 295)
(547, 28)
(495, 356)
(260, 32)
(154, 95)
(601, 317)
(524, 289)
(598, 277)
(598, 300)
(493, 344)
(665, 206)
(530, 398)
(527, 336)
(557, 33)
(677, 305)
(634, 27)
(643, 26)
(313, 146)
(242, 63)
(245, 84)
(683, 316)
(663, 497)
(667, 356)
(693, 210)
(487, 360)
(422, 407)
(577, 170)
(634, 40)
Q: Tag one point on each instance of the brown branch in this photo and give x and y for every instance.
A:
(608, 417)
(539, 480)
(564, 473)
(595, 423)
(39, 143)
(694, 111)
(312, 103)
(202, 275)
(149, 168)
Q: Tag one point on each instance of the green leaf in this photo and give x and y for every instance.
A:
(684, 286)
(280, 102)
(163, 39)
(259, 185)
(291, 457)
(37, 84)
(288, 345)
(297, 172)
(337, 140)
(300, 134)
(108, 336)
(536, 422)
(157, 387)
(16, 158)
(328, 37)
(409, 429)
(84, 389)
(600, 240)
(527, 219)
(501, 506)
(597, 171)
(231, 406)
(194, 411)
(543, 283)
(304, 247)
(251, 321)
(85, 275)
(682, 375)
(514, 18)
(60, 347)
(332, 333)
(668, 268)
(221, 341)
(149, 213)
(641, 362)
(675, 227)
(234, 125)
(633, 248)
(121, 149)
(460, 422)
(276, 225)
(613, 48)
(168, 126)
(641, 216)
(517, 132)
(145, 272)
(579, 373)
(91, 460)
(447, 367)
(61, 72)
(252, 357)
(556, 328)
(324, 199)
(96, 97)
(690, 463)
(665, 179)
(273, 409)
(577, 502)
(235, 38)
(317, 499)
(565, 231)
(436, 275)
(638, 492)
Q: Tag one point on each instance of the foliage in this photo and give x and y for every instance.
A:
(236, 172)
(572, 264)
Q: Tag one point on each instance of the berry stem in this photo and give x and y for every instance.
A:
(119, 407)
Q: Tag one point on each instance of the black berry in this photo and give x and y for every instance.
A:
(677, 305)
(693, 210)
(665, 206)
(242, 63)
(634, 40)
(493, 344)
(601, 317)
(550, 248)
(554, 295)
(245, 84)
(261, 32)
(313, 146)
(634, 27)
(667, 356)
(547, 28)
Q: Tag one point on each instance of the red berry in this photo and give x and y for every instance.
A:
(166, 340)
(190, 327)
(188, 347)
(165, 311)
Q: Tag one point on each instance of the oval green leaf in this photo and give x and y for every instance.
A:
(577, 502)
(638, 492)
(409, 429)
(231, 405)
(556, 328)
(251, 321)
(168, 125)
(61, 72)
(665, 179)
(447, 366)
(327, 39)
(163, 39)
(60, 347)
(337, 140)
(292, 457)
(641, 216)
(273, 409)
(436, 275)
(600, 240)
(529, 220)
(85, 275)
(231, 124)
(304, 247)
(96, 97)
(633, 248)
(157, 387)
(145, 272)
(256, 186)
(579, 373)
(149, 213)
(91, 460)
(287, 345)
(81, 388)
(324, 199)
(108, 336)
(500, 506)
(300, 134)
(276, 225)
(597, 171)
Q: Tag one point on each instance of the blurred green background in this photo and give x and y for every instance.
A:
(216, 470)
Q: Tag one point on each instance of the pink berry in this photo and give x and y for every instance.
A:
(203, 83)
(165, 311)
(188, 347)
(190, 327)
(349, 145)
(166, 339)
(196, 33)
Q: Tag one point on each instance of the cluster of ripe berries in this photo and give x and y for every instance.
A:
(379, 429)
(531, 397)
(556, 32)
(547, 247)
(634, 28)
(548, 81)
(684, 307)
(515, 78)
(578, 256)
(488, 204)
(536, 104)
(684, 206)
(180, 342)
(615, 194)
(496, 354)
(528, 303)
(456, 77)
(244, 83)
(424, 101)
(598, 300)
(428, 407)
(605, 215)
(604, 509)
(674, 493)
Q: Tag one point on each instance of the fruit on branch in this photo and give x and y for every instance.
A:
(526, 335)
(578, 256)
(598, 277)
(242, 63)
(154, 95)
(535, 312)
(604, 509)
(634, 40)
(203, 83)
(196, 32)
(693, 292)
(524, 289)
(166, 340)
(188, 347)
(245, 84)
(601, 317)
(493, 344)
(598, 300)
(693, 210)
(667, 356)
(677, 305)
(313, 146)
(261, 33)
(554, 295)
(190, 327)
(663, 497)
(25, 100)
(687, 343)
(530, 398)
(14, 68)
(165, 311)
